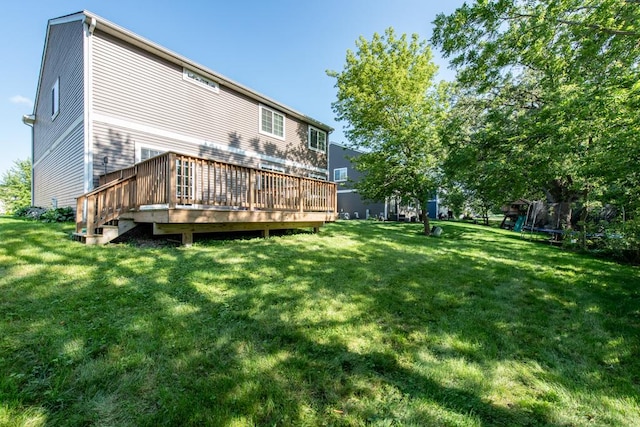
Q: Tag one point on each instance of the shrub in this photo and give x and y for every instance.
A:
(58, 215)
(45, 215)
(30, 212)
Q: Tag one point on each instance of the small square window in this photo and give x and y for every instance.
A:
(339, 174)
(200, 80)
(55, 99)
(317, 139)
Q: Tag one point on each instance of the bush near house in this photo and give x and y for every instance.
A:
(46, 215)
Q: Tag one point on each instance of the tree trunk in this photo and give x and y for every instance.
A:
(425, 221)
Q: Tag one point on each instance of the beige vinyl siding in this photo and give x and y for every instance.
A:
(119, 144)
(60, 174)
(63, 60)
(133, 85)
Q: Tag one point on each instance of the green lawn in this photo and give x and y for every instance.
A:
(366, 323)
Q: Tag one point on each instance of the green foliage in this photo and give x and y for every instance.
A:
(477, 328)
(65, 214)
(548, 100)
(30, 212)
(391, 107)
(15, 186)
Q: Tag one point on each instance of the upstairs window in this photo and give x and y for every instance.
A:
(271, 122)
(317, 139)
(339, 174)
(55, 99)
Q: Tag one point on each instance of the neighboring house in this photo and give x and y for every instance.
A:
(351, 203)
(108, 99)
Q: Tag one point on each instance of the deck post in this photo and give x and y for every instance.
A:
(171, 180)
(252, 189)
(79, 213)
(91, 215)
(187, 238)
(300, 196)
(265, 233)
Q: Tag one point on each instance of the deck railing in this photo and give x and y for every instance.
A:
(174, 180)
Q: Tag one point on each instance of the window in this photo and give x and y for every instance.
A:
(147, 153)
(185, 171)
(317, 139)
(339, 174)
(318, 176)
(268, 167)
(55, 99)
(271, 122)
(200, 80)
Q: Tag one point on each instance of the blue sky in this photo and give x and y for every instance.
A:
(280, 48)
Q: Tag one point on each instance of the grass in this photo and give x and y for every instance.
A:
(367, 323)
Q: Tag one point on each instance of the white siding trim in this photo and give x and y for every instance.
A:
(66, 19)
(347, 191)
(87, 44)
(114, 121)
(61, 138)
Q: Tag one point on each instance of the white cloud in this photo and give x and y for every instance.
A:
(19, 99)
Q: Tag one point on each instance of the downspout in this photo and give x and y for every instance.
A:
(29, 120)
(90, 26)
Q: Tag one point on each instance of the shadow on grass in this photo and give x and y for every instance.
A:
(353, 326)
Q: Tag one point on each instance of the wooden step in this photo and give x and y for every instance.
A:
(105, 234)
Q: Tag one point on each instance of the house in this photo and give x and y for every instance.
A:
(351, 205)
(127, 131)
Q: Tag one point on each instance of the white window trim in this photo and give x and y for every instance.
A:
(326, 141)
(345, 174)
(55, 99)
(140, 145)
(284, 123)
(200, 80)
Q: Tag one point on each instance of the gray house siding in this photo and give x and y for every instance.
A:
(139, 97)
(58, 144)
(357, 207)
(348, 198)
(349, 201)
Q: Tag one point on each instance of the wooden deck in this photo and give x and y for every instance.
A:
(184, 195)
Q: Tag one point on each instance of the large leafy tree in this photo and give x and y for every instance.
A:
(15, 186)
(555, 86)
(388, 99)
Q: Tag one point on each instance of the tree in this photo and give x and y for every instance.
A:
(555, 84)
(387, 97)
(15, 187)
